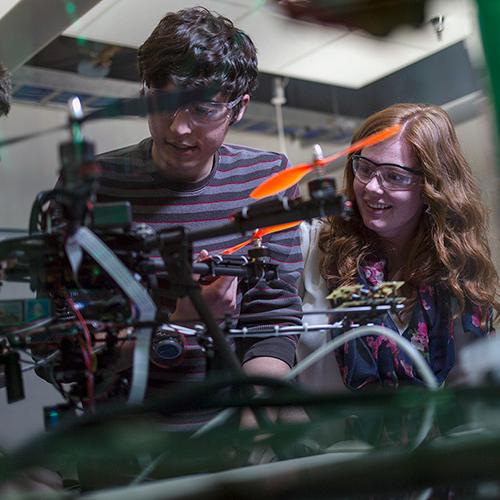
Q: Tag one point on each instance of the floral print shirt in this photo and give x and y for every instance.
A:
(431, 330)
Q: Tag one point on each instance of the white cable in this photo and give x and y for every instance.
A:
(424, 369)
(43, 362)
(428, 377)
(98, 250)
(214, 422)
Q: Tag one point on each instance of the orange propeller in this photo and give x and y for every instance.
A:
(259, 233)
(283, 180)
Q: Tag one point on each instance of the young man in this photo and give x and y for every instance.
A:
(185, 175)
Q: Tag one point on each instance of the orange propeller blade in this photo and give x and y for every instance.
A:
(274, 229)
(362, 143)
(287, 178)
(281, 181)
(259, 233)
(231, 250)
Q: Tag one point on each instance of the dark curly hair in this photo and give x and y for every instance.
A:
(5, 90)
(194, 48)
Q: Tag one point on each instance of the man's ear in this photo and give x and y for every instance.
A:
(242, 107)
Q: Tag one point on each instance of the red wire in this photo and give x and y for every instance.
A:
(87, 352)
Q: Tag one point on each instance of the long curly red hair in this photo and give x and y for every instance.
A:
(450, 247)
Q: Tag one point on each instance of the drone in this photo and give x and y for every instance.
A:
(90, 267)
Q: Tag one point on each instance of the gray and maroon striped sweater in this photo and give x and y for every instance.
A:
(130, 174)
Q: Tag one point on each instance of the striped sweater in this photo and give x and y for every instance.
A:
(130, 174)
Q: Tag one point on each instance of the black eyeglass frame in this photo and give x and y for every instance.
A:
(407, 169)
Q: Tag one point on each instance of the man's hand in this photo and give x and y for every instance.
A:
(219, 294)
(274, 368)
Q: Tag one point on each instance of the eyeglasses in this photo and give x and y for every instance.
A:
(202, 112)
(390, 175)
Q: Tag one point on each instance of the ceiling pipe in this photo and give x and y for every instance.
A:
(278, 100)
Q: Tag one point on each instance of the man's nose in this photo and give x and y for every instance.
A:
(180, 122)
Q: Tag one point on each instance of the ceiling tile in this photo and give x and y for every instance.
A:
(281, 41)
(299, 49)
(353, 61)
(128, 23)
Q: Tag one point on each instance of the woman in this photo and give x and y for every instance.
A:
(417, 218)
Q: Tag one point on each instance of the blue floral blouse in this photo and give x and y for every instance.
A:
(378, 360)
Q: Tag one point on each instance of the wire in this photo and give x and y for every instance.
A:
(424, 369)
(43, 362)
(418, 359)
(30, 327)
(103, 255)
(427, 375)
(215, 422)
(271, 316)
(87, 353)
(148, 469)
